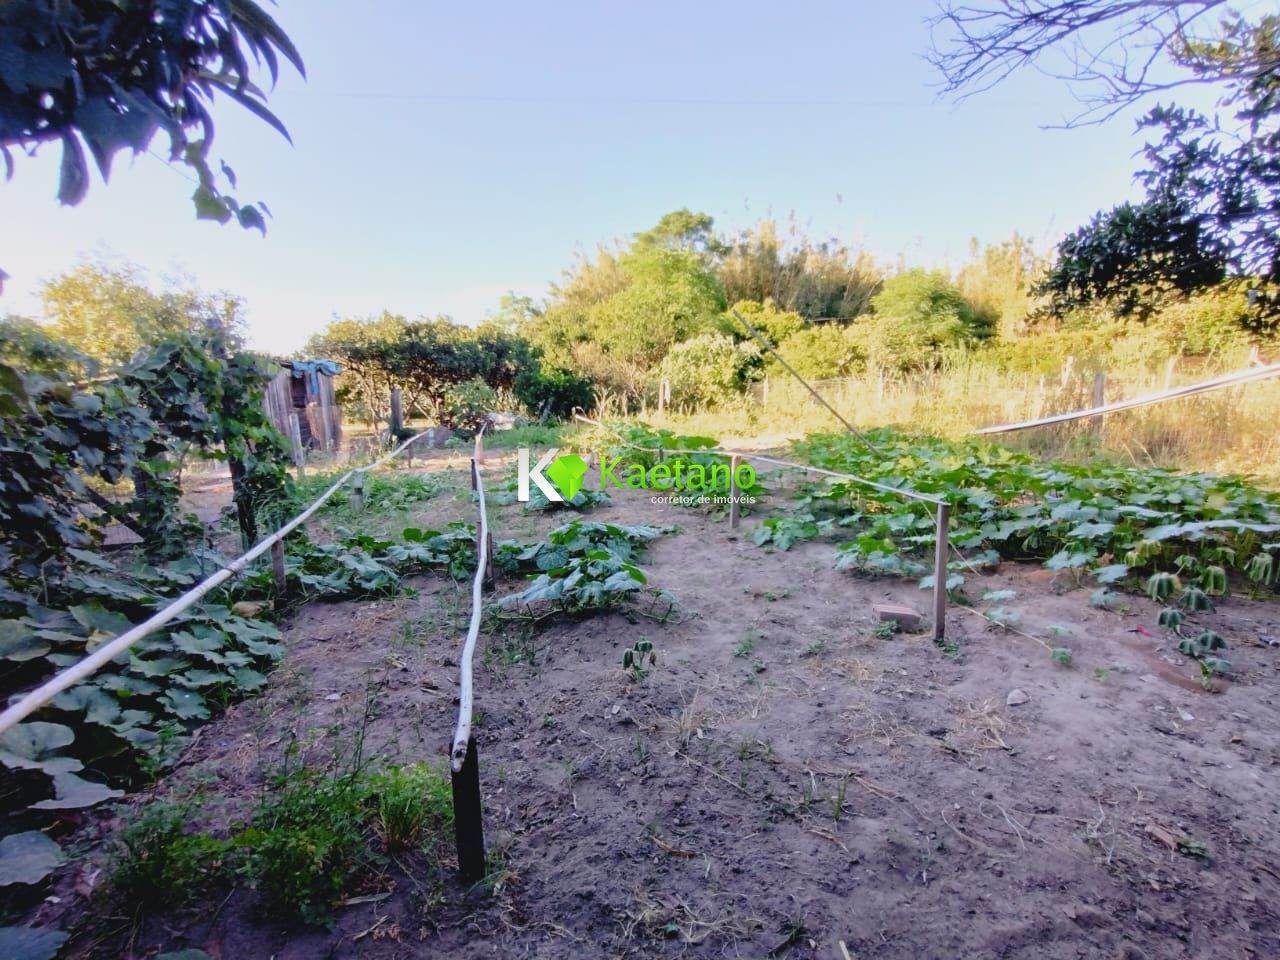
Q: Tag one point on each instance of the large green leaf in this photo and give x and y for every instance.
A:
(18, 642)
(74, 793)
(97, 705)
(36, 740)
(30, 943)
(28, 857)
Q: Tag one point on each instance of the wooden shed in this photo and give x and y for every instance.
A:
(305, 387)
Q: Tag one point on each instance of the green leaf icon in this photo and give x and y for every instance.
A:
(566, 473)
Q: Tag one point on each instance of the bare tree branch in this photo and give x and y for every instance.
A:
(1114, 53)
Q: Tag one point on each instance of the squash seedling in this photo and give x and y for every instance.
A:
(1162, 585)
(1260, 571)
(1194, 599)
(1214, 581)
(638, 658)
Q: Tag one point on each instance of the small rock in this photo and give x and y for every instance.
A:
(333, 696)
(1184, 716)
(906, 618)
(1016, 697)
(247, 609)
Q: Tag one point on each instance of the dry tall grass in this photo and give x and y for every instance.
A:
(1231, 431)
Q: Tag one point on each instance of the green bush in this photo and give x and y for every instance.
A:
(823, 351)
(559, 391)
(159, 863)
(306, 843)
(918, 314)
(774, 324)
(1208, 324)
(409, 800)
(709, 369)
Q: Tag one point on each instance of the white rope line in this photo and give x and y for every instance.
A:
(462, 732)
(1217, 383)
(73, 674)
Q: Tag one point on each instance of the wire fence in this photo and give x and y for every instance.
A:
(942, 516)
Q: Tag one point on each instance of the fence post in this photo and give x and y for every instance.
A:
(397, 414)
(468, 829)
(277, 568)
(1168, 371)
(940, 572)
(734, 512)
(299, 453)
(357, 492)
(1099, 390)
(764, 398)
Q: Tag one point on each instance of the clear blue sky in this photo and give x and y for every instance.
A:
(446, 153)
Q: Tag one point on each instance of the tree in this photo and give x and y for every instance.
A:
(426, 358)
(615, 317)
(110, 76)
(682, 230)
(817, 280)
(997, 281)
(109, 313)
(1212, 205)
(364, 348)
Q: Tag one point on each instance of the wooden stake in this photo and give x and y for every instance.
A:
(1099, 389)
(397, 414)
(1168, 372)
(734, 492)
(357, 492)
(940, 572)
(468, 827)
(299, 453)
(277, 568)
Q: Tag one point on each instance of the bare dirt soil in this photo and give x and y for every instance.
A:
(784, 780)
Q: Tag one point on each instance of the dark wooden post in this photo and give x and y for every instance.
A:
(277, 568)
(468, 830)
(397, 415)
(940, 572)
(1099, 390)
(357, 492)
(299, 452)
(734, 492)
